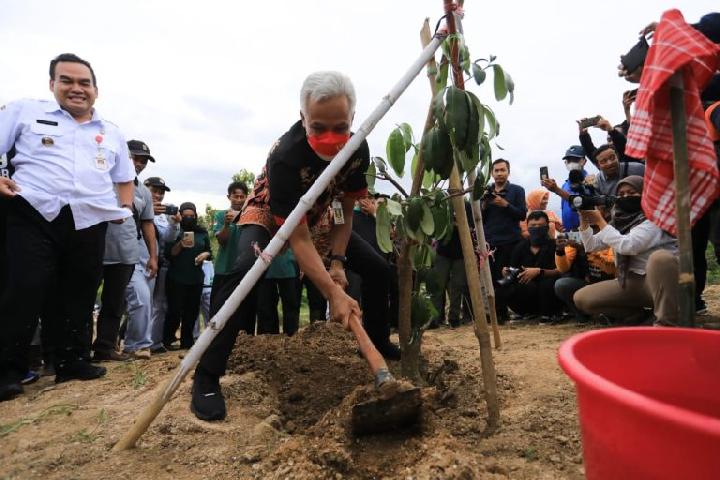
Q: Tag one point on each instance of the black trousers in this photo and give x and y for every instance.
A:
(536, 297)
(316, 302)
(500, 259)
(48, 262)
(270, 290)
(115, 280)
(183, 309)
(700, 237)
(362, 259)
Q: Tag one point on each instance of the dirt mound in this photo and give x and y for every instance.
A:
(311, 372)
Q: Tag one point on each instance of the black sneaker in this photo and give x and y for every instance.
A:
(77, 370)
(207, 401)
(700, 307)
(110, 356)
(30, 377)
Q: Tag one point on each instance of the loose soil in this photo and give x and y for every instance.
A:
(289, 402)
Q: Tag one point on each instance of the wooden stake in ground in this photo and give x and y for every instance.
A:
(165, 391)
(471, 270)
(686, 278)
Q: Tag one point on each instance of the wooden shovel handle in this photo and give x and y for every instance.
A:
(367, 348)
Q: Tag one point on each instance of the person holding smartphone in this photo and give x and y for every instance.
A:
(184, 282)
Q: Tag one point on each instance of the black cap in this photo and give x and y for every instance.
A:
(187, 206)
(576, 151)
(140, 148)
(156, 182)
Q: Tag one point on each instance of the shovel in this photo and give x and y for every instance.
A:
(397, 404)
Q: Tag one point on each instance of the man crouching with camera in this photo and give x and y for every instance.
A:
(645, 256)
(528, 283)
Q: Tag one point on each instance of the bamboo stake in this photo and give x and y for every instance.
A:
(164, 393)
(686, 278)
(471, 270)
(410, 361)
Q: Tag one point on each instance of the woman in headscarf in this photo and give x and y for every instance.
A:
(538, 200)
(645, 255)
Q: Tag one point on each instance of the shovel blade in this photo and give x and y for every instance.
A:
(394, 411)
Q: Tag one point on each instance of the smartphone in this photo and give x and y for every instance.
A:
(544, 174)
(188, 239)
(590, 122)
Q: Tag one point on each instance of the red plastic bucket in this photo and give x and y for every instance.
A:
(649, 402)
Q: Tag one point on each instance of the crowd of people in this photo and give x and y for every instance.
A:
(78, 224)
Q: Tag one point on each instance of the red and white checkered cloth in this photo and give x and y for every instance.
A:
(677, 47)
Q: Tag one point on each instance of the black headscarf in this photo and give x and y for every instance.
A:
(624, 221)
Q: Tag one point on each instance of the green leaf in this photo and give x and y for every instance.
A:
(395, 150)
(382, 228)
(428, 179)
(432, 70)
(478, 73)
(493, 126)
(480, 112)
(442, 77)
(407, 134)
(380, 164)
(437, 151)
(439, 213)
(427, 223)
(414, 214)
(413, 163)
(393, 207)
(457, 113)
(421, 311)
(370, 176)
(500, 86)
(478, 187)
(465, 61)
(510, 85)
(438, 107)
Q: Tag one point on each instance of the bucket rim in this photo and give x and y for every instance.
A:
(648, 406)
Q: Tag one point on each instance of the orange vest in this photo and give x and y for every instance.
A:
(714, 133)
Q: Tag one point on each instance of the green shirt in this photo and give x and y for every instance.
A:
(282, 266)
(182, 267)
(226, 253)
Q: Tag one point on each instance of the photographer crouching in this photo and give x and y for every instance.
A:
(645, 256)
(528, 283)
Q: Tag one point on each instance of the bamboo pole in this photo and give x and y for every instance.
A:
(471, 270)
(410, 361)
(686, 277)
(164, 393)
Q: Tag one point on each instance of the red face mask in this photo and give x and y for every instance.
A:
(328, 144)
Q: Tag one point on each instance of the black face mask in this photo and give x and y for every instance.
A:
(630, 204)
(188, 223)
(538, 235)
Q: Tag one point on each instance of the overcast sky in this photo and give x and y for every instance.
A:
(210, 85)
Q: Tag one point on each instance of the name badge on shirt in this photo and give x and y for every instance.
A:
(100, 161)
(338, 214)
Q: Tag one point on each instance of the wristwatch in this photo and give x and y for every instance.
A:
(340, 258)
(127, 205)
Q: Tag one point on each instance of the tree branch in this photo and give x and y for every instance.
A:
(394, 182)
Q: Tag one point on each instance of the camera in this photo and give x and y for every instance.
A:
(510, 277)
(490, 193)
(171, 209)
(589, 202)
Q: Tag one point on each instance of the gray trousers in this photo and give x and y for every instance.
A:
(159, 308)
(565, 289)
(657, 289)
(139, 297)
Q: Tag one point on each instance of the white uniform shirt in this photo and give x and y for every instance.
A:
(56, 161)
(638, 243)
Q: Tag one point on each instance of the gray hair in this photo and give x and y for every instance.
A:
(324, 85)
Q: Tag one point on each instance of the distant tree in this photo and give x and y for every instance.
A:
(244, 176)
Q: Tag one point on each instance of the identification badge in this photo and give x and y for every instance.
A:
(100, 161)
(338, 214)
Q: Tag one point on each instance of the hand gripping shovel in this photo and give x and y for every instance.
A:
(395, 405)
